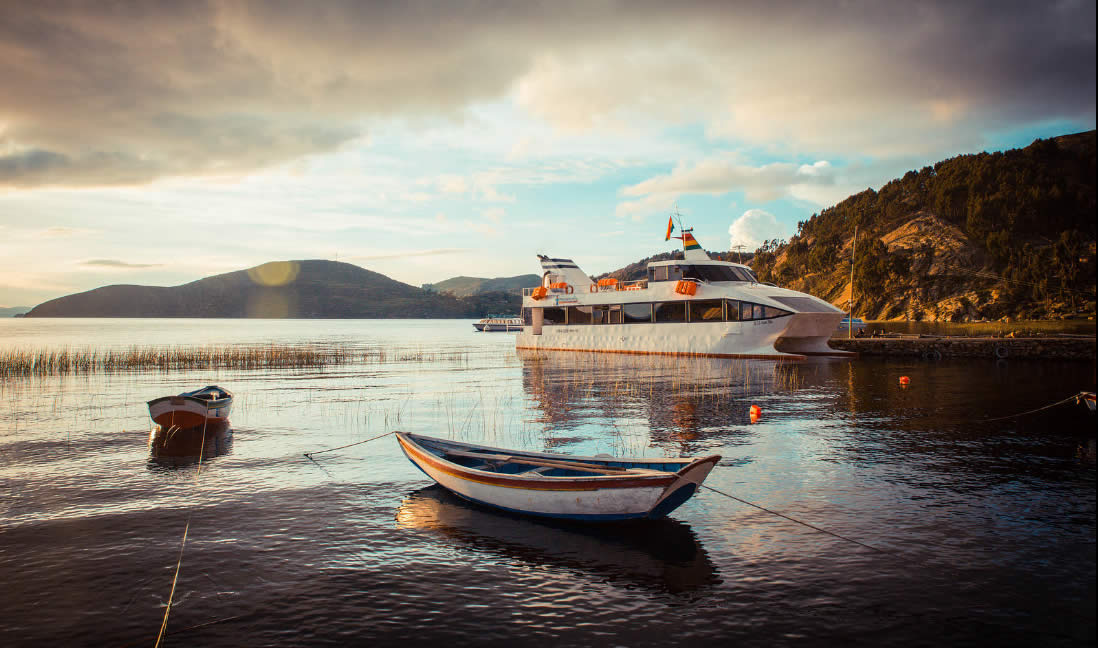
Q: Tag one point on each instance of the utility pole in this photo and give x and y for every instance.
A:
(850, 306)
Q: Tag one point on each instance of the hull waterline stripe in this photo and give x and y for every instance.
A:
(748, 356)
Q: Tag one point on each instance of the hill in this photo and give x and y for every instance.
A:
(989, 235)
(281, 289)
(469, 286)
(12, 311)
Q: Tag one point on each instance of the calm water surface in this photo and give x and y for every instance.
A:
(987, 527)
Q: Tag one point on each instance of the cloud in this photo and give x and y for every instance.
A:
(125, 94)
(716, 177)
(754, 227)
(114, 263)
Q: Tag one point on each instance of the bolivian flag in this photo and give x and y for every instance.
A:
(670, 228)
(689, 242)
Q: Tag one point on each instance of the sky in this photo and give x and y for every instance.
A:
(158, 143)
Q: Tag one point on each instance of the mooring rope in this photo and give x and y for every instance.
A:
(186, 529)
(310, 454)
(792, 519)
(1073, 397)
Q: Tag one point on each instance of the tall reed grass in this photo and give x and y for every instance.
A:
(69, 361)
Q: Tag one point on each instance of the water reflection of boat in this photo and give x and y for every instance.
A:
(173, 447)
(660, 554)
(681, 400)
(600, 488)
(193, 408)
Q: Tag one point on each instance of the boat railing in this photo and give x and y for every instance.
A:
(638, 284)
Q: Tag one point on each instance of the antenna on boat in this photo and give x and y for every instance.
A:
(738, 249)
(850, 304)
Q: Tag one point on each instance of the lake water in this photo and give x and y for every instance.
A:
(986, 528)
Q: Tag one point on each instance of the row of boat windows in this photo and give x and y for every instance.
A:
(695, 310)
(700, 272)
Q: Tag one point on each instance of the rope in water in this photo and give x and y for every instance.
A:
(310, 454)
(186, 529)
(1073, 397)
(792, 519)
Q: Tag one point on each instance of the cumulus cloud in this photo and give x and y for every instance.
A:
(754, 227)
(107, 94)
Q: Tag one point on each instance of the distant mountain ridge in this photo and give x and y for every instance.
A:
(469, 286)
(12, 311)
(280, 289)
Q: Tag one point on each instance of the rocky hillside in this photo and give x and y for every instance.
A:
(984, 236)
(282, 289)
(469, 286)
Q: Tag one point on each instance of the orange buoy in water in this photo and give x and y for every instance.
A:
(755, 413)
(904, 380)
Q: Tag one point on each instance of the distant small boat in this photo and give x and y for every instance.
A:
(498, 324)
(856, 324)
(192, 409)
(598, 488)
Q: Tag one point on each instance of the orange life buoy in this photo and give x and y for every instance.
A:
(539, 293)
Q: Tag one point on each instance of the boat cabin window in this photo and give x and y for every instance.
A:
(717, 273)
(579, 315)
(601, 314)
(553, 316)
(731, 310)
(706, 310)
(637, 313)
(527, 317)
(745, 311)
(615, 314)
(671, 312)
(665, 273)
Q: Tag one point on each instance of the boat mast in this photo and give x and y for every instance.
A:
(850, 304)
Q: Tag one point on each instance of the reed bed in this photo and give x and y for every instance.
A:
(70, 361)
(56, 362)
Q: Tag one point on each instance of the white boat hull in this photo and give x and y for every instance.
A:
(801, 334)
(594, 498)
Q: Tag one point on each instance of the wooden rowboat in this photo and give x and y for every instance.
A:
(558, 486)
(192, 409)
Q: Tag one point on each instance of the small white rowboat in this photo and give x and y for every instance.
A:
(558, 486)
(192, 409)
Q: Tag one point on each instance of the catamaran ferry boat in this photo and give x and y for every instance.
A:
(696, 306)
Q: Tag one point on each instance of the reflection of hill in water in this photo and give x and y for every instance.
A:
(681, 399)
(175, 447)
(663, 555)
